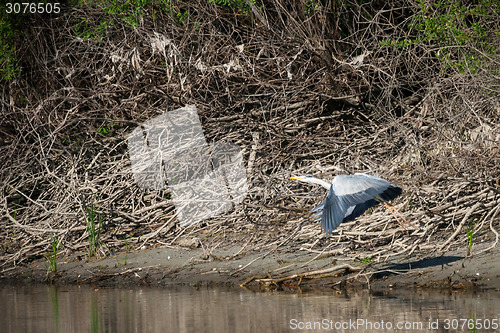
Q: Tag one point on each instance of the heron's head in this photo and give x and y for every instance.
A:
(305, 179)
(312, 180)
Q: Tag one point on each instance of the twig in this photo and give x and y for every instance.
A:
(462, 223)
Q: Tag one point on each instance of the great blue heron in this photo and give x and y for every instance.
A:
(349, 196)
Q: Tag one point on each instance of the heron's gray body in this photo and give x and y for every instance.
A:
(349, 196)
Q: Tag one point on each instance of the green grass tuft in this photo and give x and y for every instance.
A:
(52, 257)
(470, 236)
(94, 223)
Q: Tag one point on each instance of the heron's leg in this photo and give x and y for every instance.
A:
(393, 209)
(389, 208)
(407, 222)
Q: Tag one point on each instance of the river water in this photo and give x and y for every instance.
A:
(85, 309)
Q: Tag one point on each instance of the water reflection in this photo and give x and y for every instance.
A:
(84, 309)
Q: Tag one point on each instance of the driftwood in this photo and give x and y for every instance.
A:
(318, 274)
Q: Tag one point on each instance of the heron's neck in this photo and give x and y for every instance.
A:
(321, 182)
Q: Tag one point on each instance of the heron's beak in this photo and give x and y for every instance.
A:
(293, 177)
(297, 178)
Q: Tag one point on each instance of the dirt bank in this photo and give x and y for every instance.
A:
(229, 266)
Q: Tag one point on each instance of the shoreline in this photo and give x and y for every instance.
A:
(178, 266)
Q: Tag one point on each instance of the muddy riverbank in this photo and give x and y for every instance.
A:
(288, 267)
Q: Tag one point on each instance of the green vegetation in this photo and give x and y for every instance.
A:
(86, 30)
(66, 140)
(311, 6)
(94, 223)
(168, 7)
(459, 32)
(470, 235)
(366, 260)
(127, 247)
(13, 25)
(452, 23)
(131, 12)
(182, 16)
(95, 320)
(106, 128)
(52, 256)
(127, 243)
(471, 323)
(16, 207)
(9, 29)
(239, 6)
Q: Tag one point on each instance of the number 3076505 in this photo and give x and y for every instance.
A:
(32, 8)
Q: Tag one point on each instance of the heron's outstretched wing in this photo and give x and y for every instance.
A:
(359, 209)
(351, 195)
(359, 188)
(334, 209)
(351, 213)
(318, 209)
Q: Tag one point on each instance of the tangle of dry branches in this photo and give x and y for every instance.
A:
(298, 93)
